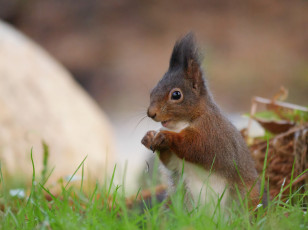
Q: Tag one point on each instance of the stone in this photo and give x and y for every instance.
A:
(40, 101)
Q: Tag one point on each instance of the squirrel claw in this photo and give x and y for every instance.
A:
(159, 141)
(147, 140)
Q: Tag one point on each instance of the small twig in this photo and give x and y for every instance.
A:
(279, 103)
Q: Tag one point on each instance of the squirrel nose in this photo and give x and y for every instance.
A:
(151, 113)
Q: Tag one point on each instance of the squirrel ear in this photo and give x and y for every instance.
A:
(186, 55)
(193, 73)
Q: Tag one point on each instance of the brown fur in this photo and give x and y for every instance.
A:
(210, 140)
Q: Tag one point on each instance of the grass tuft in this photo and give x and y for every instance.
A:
(104, 207)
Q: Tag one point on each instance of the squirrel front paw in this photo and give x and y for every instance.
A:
(148, 139)
(159, 142)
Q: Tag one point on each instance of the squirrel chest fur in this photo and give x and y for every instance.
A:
(202, 185)
(216, 159)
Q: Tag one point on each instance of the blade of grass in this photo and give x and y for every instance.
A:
(94, 192)
(9, 211)
(264, 168)
(75, 172)
(218, 203)
(33, 178)
(114, 197)
(137, 194)
(51, 171)
(2, 183)
(49, 193)
(124, 178)
(111, 181)
(1, 175)
(45, 161)
(292, 174)
(82, 176)
(287, 186)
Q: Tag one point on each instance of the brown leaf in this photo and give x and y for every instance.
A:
(275, 127)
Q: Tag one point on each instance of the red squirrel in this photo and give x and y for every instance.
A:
(216, 158)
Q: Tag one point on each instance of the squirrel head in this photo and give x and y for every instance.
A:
(180, 96)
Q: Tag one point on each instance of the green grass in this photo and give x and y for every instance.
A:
(104, 207)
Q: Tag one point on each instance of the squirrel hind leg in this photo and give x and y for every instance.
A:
(250, 191)
(255, 198)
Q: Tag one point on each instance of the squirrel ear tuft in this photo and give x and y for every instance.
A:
(186, 55)
(184, 50)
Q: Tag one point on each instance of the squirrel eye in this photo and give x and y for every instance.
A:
(176, 95)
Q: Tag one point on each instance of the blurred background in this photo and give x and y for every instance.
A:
(118, 50)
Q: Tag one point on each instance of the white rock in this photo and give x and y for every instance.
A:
(39, 100)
